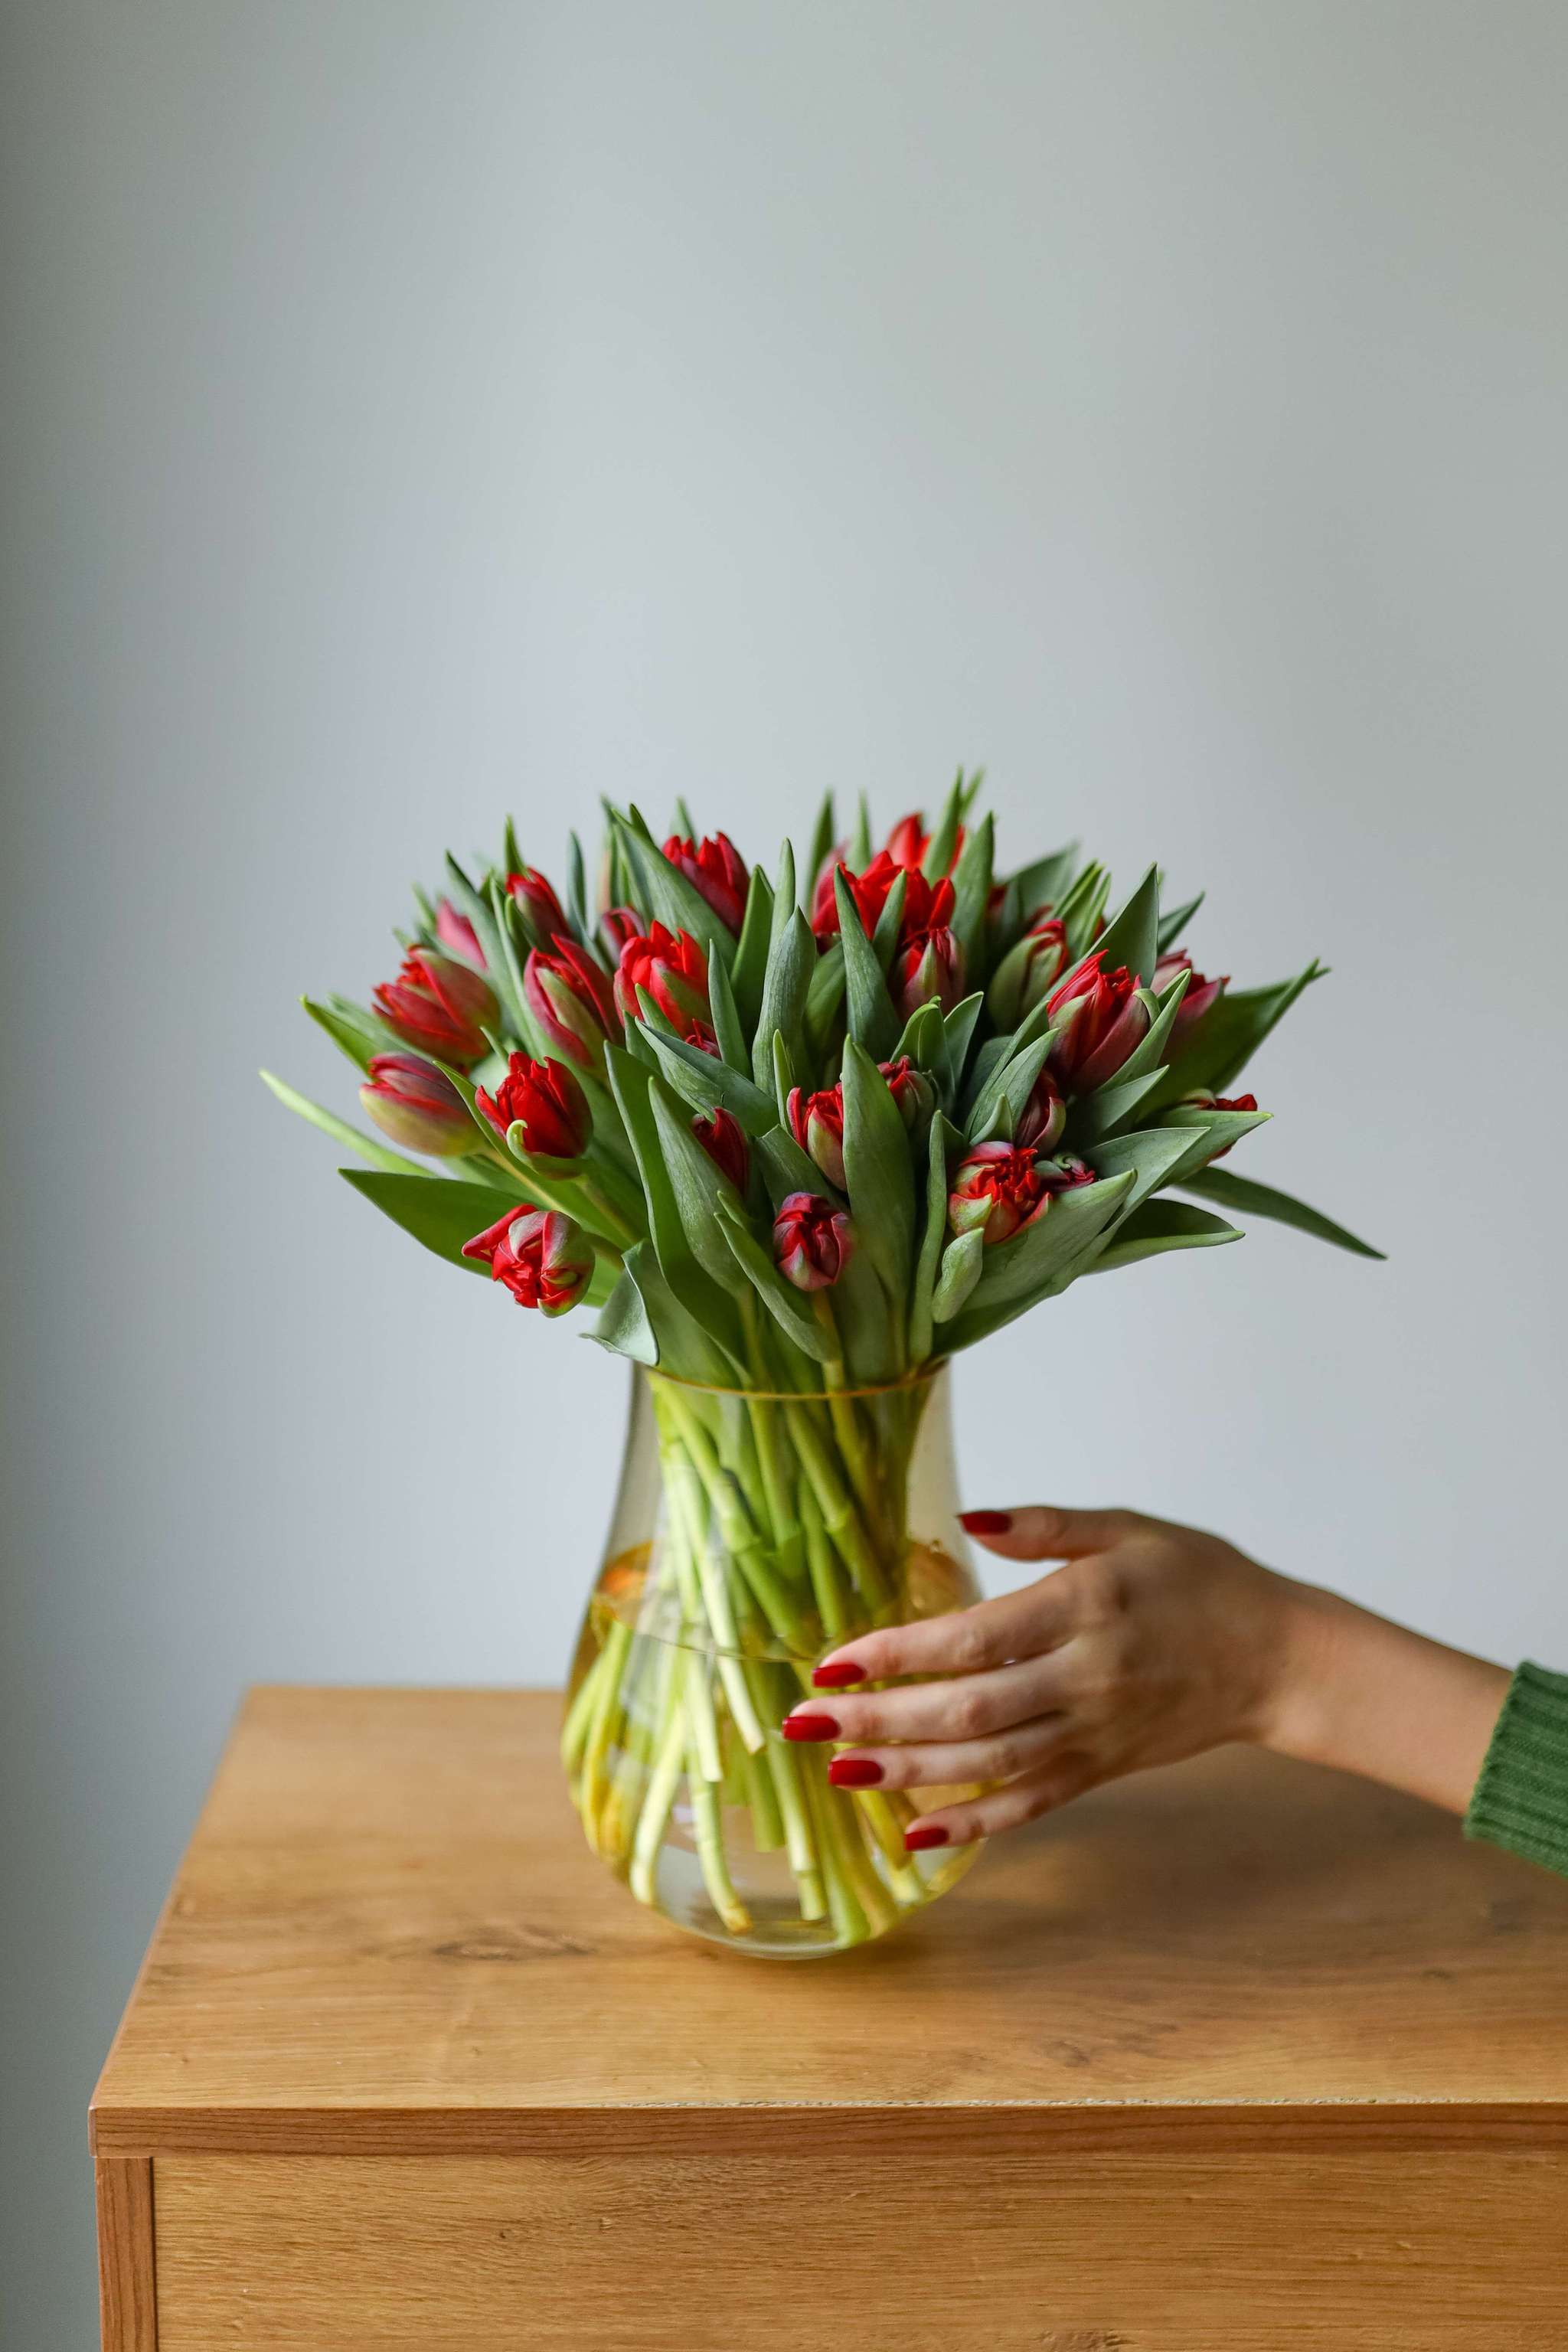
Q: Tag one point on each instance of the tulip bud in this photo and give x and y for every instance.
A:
(817, 1123)
(931, 964)
(1201, 993)
(418, 1105)
(542, 917)
(545, 1259)
(1028, 972)
(997, 1189)
(1103, 1016)
(717, 869)
(440, 1005)
(812, 1240)
(571, 998)
(671, 969)
(458, 935)
(913, 1092)
(546, 1099)
(1043, 1117)
(1065, 1173)
(723, 1139)
(1201, 1099)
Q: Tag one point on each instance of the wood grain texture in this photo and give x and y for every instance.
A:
(127, 2296)
(387, 1933)
(934, 2247)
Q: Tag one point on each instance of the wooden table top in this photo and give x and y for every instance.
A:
(387, 1935)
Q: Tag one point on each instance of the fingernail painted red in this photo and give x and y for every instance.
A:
(838, 1674)
(810, 1727)
(986, 1523)
(925, 1834)
(854, 1772)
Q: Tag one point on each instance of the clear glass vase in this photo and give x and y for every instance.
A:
(752, 1533)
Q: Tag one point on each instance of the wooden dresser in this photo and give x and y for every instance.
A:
(1237, 2057)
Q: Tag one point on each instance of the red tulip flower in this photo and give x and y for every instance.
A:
(671, 969)
(569, 996)
(717, 869)
(812, 1242)
(458, 935)
(617, 926)
(909, 841)
(1201, 993)
(534, 895)
(1040, 1122)
(546, 1099)
(913, 1092)
(1105, 1018)
(870, 891)
(817, 1123)
(723, 1139)
(544, 1258)
(995, 1190)
(440, 1005)
(418, 1105)
(929, 960)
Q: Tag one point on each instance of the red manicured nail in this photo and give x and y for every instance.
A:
(838, 1674)
(986, 1523)
(810, 1727)
(854, 1772)
(925, 1833)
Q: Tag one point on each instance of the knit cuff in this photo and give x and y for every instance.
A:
(1520, 1800)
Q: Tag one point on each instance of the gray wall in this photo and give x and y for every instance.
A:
(417, 411)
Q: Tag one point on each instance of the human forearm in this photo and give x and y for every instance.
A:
(1356, 1691)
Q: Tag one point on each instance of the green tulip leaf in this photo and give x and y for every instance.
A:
(872, 1020)
(1149, 1157)
(971, 878)
(378, 1154)
(1220, 1046)
(941, 1143)
(822, 837)
(706, 1084)
(727, 1029)
(442, 1216)
(784, 987)
(824, 995)
(352, 1030)
(787, 1168)
(1133, 935)
(876, 1171)
(1013, 1078)
(889, 922)
(751, 963)
(1161, 1226)
(1046, 883)
(712, 1305)
(944, 842)
(699, 1190)
(1041, 1259)
(1172, 925)
(1248, 1199)
(1213, 1131)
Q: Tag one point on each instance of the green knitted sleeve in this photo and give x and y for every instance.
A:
(1520, 1801)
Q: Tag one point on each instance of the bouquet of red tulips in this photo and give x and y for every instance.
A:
(790, 1144)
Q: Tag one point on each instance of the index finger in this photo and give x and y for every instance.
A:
(965, 1642)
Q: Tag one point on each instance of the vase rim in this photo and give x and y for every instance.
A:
(910, 1381)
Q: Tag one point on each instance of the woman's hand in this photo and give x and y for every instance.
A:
(1152, 1642)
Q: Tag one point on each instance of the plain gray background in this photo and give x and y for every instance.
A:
(415, 411)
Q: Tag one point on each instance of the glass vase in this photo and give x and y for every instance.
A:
(753, 1532)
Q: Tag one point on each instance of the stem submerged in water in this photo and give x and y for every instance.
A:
(783, 1531)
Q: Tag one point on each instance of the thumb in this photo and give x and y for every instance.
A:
(1042, 1531)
